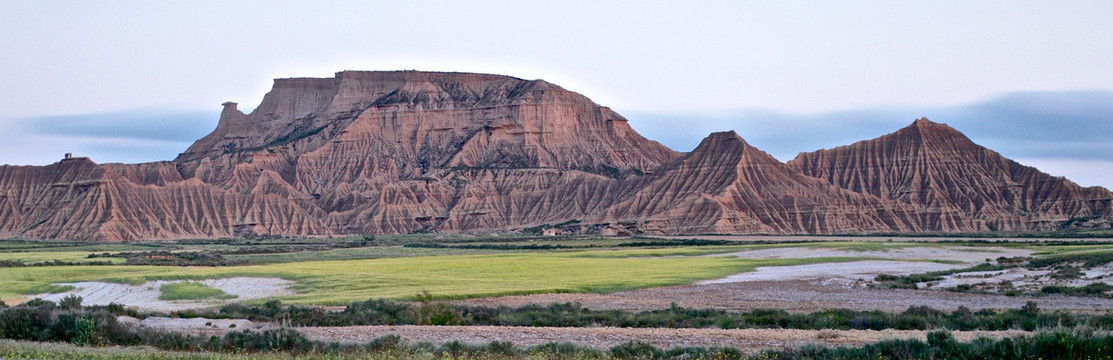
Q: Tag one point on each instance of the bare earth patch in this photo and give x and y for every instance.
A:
(807, 288)
(1023, 279)
(965, 254)
(860, 271)
(145, 296)
(603, 337)
(797, 296)
(846, 273)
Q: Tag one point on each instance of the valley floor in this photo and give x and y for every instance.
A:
(727, 273)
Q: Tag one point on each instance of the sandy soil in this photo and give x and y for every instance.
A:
(600, 337)
(603, 337)
(145, 296)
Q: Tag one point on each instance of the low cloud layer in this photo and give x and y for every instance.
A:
(1062, 133)
(127, 136)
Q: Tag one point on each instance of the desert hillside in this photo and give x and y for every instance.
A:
(408, 151)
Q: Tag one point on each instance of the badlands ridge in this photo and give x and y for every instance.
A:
(406, 151)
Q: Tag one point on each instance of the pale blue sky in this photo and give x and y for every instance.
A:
(721, 65)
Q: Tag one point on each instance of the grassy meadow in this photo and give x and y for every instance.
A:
(445, 276)
(384, 268)
(190, 290)
(69, 256)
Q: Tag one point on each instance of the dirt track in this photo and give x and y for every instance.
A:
(796, 296)
(603, 337)
(599, 337)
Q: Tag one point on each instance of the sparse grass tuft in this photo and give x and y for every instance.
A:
(189, 290)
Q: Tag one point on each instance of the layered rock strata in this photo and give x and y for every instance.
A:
(407, 151)
(958, 184)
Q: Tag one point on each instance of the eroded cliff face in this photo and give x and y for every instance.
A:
(728, 186)
(936, 168)
(407, 151)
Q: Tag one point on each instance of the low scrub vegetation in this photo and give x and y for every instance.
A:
(70, 322)
(427, 312)
(288, 344)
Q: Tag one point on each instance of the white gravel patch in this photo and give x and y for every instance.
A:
(1017, 276)
(145, 296)
(854, 271)
(966, 254)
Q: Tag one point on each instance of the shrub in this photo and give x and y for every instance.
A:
(86, 332)
(70, 302)
(282, 339)
(1030, 308)
(635, 350)
(386, 342)
(435, 312)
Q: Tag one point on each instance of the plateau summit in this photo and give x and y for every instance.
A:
(408, 151)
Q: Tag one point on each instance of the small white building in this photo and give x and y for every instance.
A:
(552, 232)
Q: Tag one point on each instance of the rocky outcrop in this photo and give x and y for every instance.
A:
(407, 151)
(963, 186)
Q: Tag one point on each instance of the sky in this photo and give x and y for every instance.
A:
(124, 81)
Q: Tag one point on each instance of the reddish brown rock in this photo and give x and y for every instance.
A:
(727, 186)
(958, 185)
(401, 152)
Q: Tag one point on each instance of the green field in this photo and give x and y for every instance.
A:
(40, 256)
(354, 254)
(447, 276)
(388, 270)
(189, 290)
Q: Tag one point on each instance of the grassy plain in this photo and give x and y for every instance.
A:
(189, 290)
(388, 270)
(459, 276)
(374, 252)
(40, 256)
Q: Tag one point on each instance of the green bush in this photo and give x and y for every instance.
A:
(282, 339)
(387, 312)
(70, 302)
(635, 350)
